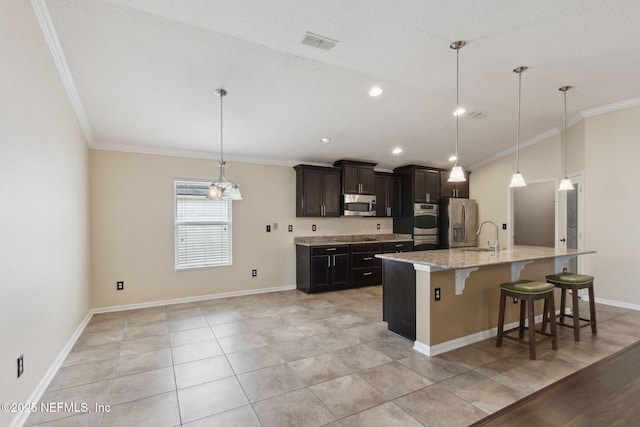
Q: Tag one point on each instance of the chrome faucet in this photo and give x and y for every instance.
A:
(496, 246)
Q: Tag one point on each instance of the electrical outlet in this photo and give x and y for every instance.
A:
(437, 294)
(313, 227)
(254, 273)
(20, 365)
(268, 228)
(515, 300)
(378, 226)
(119, 286)
(290, 228)
(504, 226)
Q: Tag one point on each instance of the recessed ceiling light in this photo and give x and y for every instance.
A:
(325, 140)
(375, 91)
(397, 150)
(459, 111)
(453, 158)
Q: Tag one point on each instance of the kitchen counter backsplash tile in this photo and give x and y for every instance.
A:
(350, 239)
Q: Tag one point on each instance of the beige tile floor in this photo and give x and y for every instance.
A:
(292, 359)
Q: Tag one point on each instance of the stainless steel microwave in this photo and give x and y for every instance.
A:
(359, 205)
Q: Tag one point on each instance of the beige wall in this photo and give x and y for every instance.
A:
(489, 184)
(44, 216)
(602, 146)
(612, 205)
(132, 227)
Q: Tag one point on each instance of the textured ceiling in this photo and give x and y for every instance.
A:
(142, 74)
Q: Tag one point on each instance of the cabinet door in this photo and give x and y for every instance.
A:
(340, 270)
(462, 188)
(331, 193)
(366, 179)
(312, 194)
(320, 272)
(351, 180)
(420, 186)
(394, 196)
(447, 189)
(433, 185)
(381, 189)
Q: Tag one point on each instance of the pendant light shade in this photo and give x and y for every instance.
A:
(565, 184)
(223, 189)
(457, 175)
(517, 180)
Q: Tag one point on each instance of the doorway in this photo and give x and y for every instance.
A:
(571, 214)
(534, 214)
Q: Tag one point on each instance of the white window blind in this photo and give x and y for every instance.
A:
(203, 227)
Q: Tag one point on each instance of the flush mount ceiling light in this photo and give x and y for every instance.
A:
(565, 184)
(223, 189)
(457, 175)
(375, 91)
(397, 150)
(517, 180)
(325, 140)
(453, 158)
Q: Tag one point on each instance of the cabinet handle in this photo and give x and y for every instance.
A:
(331, 249)
(399, 245)
(328, 261)
(334, 260)
(388, 210)
(368, 273)
(367, 258)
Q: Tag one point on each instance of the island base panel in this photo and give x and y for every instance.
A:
(399, 298)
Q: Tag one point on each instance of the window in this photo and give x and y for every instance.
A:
(203, 227)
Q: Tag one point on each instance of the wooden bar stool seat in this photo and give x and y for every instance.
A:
(575, 282)
(528, 291)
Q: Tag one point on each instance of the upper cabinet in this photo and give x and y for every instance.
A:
(454, 189)
(388, 188)
(357, 177)
(317, 191)
(422, 184)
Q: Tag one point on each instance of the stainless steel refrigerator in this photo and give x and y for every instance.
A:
(458, 222)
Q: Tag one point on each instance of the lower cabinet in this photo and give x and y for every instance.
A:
(366, 269)
(326, 268)
(322, 268)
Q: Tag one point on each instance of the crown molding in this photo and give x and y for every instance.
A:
(633, 102)
(51, 37)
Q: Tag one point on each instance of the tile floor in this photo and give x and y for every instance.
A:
(292, 359)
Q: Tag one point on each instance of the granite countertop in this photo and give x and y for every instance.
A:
(350, 239)
(452, 259)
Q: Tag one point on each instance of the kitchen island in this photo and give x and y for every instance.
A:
(445, 299)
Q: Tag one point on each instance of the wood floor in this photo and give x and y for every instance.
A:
(604, 394)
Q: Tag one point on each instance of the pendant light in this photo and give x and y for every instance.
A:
(565, 184)
(517, 180)
(223, 189)
(457, 175)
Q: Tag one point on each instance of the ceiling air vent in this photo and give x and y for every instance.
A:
(475, 114)
(320, 42)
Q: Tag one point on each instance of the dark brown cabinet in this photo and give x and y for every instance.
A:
(366, 269)
(322, 268)
(317, 191)
(427, 185)
(357, 177)
(388, 190)
(397, 247)
(453, 189)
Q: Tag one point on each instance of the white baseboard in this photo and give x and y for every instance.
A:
(613, 303)
(191, 299)
(462, 341)
(19, 420)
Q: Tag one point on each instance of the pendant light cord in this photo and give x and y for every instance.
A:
(221, 135)
(564, 139)
(457, 100)
(518, 127)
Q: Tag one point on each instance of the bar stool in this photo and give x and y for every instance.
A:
(528, 291)
(574, 282)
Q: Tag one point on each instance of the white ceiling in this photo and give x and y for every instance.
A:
(142, 74)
